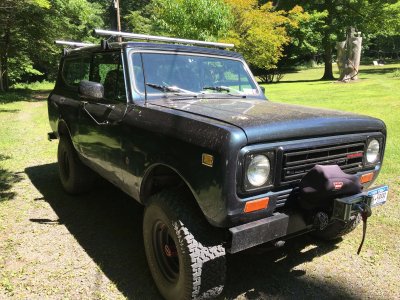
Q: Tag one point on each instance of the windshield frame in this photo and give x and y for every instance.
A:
(137, 95)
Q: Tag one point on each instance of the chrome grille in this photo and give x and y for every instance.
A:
(296, 163)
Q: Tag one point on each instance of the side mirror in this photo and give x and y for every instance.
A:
(91, 90)
(262, 89)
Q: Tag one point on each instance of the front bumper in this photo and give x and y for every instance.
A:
(283, 225)
(258, 232)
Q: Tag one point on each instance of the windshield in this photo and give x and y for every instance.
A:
(162, 72)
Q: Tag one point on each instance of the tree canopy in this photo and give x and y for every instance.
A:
(336, 17)
(260, 31)
(269, 34)
(28, 31)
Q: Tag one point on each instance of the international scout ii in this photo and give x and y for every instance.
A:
(183, 128)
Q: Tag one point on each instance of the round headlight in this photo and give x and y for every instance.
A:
(258, 170)
(373, 151)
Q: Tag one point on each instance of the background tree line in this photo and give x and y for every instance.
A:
(271, 35)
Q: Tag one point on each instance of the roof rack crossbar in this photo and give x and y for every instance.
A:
(160, 38)
(73, 44)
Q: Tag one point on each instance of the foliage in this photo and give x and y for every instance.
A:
(306, 40)
(192, 19)
(396, 74)
(337, 16)
(29, 49)
(139, 22)
(269, 76)
(261, 32)
(271, 35)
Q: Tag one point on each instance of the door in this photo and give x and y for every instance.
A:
(65, 99)
(100, 120)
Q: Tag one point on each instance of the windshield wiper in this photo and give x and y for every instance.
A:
(168, 89)
(222, 88)
(218, 88)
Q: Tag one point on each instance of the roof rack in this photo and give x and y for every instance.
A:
(73, 44)
(160, 38)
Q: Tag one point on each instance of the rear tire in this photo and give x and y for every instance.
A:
(184, 253)
(338, 229)
(75, 177)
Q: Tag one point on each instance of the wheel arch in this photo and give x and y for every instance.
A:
(161, 176)
(63, 129)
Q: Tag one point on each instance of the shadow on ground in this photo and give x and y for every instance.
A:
(379, 70)
(7, 180)
(108, 225)
(23, 95)
(306, 80)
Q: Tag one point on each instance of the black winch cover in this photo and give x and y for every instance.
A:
(322, 184)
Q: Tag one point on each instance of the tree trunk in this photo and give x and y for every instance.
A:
(326, 43)
(328, 72)
(1, 76)
(4, 58)
(7, 20)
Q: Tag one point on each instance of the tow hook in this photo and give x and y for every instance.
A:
(321, 220)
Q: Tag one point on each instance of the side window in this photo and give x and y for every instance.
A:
(107, 70)
(138, 72)
(75, 69)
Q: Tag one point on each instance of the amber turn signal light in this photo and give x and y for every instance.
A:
(366, 177)
(256, 205)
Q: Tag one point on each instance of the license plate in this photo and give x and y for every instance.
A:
(379, 195)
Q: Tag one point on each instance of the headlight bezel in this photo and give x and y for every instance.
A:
(379, 156)
(246, 185)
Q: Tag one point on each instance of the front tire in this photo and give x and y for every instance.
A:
(184, 253)
(75, 177)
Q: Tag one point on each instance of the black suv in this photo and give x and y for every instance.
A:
(187, 132)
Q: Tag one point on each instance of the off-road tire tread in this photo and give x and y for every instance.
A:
(193, 231)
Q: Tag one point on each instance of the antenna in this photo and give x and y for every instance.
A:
(160, 38)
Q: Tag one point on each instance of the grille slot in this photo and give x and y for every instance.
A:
(281, 200)
(296, 163)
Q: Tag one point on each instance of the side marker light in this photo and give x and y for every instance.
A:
(366, 177)
(254, 205)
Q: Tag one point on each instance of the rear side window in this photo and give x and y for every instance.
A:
(76, 69)
(107, 70)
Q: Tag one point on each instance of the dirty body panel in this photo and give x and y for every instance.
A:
(126, 140)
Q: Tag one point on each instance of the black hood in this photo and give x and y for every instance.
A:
(262, 120)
